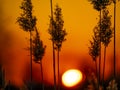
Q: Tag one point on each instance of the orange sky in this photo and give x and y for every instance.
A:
(80, 19)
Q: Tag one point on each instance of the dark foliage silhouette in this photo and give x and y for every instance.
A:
(94, 49)
(38, 52)
(27, 22)
(112, 85)
(58, 34)
(2, 77)
(53, 45)
(106, 34)
(10, 86)
(99, 5)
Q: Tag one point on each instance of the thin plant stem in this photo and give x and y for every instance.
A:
(31, 59)
(53, 49)
(42, 75)
(114, 38)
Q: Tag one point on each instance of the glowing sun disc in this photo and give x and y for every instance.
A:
(72, 77)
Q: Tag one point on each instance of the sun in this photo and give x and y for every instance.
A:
(72, 77)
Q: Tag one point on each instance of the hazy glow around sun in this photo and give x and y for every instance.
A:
(72, 77)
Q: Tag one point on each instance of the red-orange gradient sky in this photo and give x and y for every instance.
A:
(80, 19)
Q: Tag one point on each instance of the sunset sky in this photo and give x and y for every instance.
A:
(79, 20)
